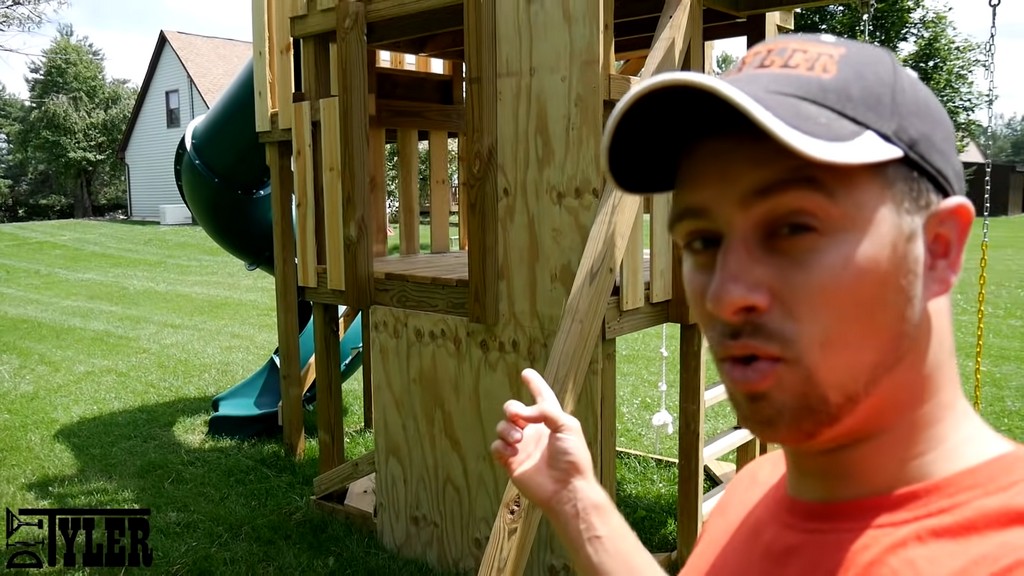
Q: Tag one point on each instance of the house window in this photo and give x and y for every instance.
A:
(173, 109)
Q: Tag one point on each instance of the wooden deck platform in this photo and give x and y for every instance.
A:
(439, 283)
(448, 269)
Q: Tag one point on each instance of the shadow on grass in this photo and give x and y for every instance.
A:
(218, 506)
(132, 222)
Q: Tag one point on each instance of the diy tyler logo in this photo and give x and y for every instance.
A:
(113, 537)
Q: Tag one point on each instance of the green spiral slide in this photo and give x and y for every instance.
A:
(222, 176)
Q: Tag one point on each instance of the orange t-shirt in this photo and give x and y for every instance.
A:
(969, 523)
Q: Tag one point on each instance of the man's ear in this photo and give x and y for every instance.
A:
(946, 230)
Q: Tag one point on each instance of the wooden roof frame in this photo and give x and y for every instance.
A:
(435, 27)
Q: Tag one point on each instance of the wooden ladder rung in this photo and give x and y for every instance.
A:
(726, 442)
(715, 394)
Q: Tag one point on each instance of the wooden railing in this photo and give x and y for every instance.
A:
(393, 125)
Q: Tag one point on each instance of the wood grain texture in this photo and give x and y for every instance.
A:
(315, 23)
(378, 193)
(631, 293)
(436, 481)
(549, 126)
(408, 191)
(478, 186)
(619, 84)
(286, 291)
(340, 477)
(355, 159)
(330, 419)
(512, 536)
(418, 115)
(440, 191)
(283, 63)
(261, 63)
(305, 197)
(330, 170)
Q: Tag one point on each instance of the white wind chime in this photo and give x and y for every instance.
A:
(662, 419)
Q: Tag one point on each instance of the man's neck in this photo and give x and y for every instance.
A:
(932, 436)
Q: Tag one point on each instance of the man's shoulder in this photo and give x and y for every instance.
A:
(763, 470)
(750, 484)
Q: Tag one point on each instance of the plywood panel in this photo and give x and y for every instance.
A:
(550, 118)
(439, 384)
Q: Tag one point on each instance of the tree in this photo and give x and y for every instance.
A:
(77, 116)
(921, 34)
(724, 62)
(12, 113)
(1007, 139)
(26, 15)
(423, 177)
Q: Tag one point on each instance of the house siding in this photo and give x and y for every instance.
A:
(150, 151)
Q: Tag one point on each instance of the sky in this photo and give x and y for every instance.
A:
(127, 36)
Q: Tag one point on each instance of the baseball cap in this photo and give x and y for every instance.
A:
(831, 100)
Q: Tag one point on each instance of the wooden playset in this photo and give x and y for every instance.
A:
(545, 268)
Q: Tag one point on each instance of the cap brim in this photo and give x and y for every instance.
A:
(659, 118)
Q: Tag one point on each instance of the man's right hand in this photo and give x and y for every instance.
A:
(542, 447)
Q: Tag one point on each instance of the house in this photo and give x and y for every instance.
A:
(187, 74)
(1006, 192)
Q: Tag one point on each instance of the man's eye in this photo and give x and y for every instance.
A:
(795, 228)
(701, 243)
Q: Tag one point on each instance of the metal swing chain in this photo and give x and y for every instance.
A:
(867, 12)
(990, 52)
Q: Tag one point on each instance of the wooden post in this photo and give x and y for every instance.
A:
(279, 157)
(262, 30)
(355, 176)
(479, 189)
(691, 440)
(283, 62)
(517, 520)
(408, 191)
(440, 191)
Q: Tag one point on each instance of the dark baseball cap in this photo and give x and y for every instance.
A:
(831, 100)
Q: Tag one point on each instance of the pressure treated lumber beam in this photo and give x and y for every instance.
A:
(479, 187)
(517, 521)
(319, 22)
(751, 7)
(279, 156)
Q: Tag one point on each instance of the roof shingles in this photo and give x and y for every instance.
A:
(213, 63)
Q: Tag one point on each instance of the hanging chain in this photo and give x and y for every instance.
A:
(867, 12)
(990, 53)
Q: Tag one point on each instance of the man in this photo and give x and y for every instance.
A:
(818, 200)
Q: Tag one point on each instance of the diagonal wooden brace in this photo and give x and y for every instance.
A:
(517, 521)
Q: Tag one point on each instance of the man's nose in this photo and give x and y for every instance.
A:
(739, 283)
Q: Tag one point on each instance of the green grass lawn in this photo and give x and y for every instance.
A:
(114, 336)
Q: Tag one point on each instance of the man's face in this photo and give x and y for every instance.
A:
(806, 281)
